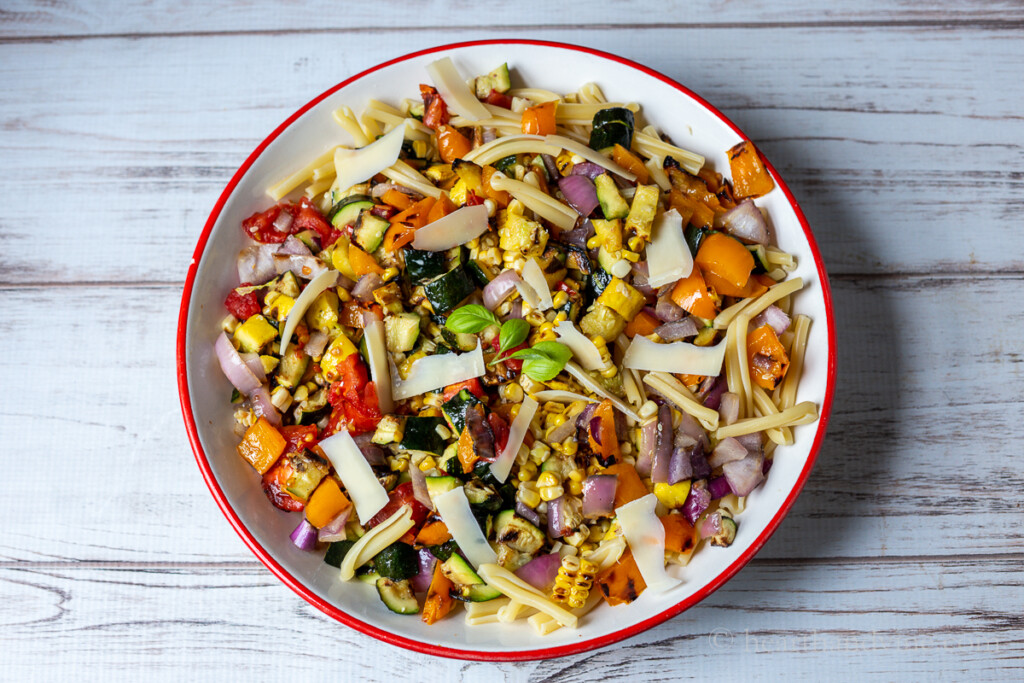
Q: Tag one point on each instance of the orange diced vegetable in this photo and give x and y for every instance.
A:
(451, 144)
(539, 120)
(726, 257)
(441, 208)
(631, 162)
(262, 445)
(439, 601)
(690, 381)
(680, 535)
(691, 294)
(754, 287)
(643, 324)
(501, 198)
(416, 215)
(434, 533)
(621, 583)
(767, 357)
(630, 486)
(325, 503)
(609, 446)
(701, 215)
(749, 177)
(397, 199)
(397, 236)
(361, 262)
(467, 456)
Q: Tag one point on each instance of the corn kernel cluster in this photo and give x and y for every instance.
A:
(574, 580)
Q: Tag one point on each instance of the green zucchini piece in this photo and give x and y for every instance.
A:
(421, 266)
(612, 204)
(598, 282)
(288, 285)
(480, 271)
(397, 596)
(482, 497)
(309, 238)
(760, 255)
(454, 409)
(448, 291)
(293, 365)
(496, 80)
(347, 210)
(336, 552)
(397, 562)
(506, 164)
(421, 435)
(517, 533)
(369, 231)
(469, 587)
(437, 486)
(314, 408)
(443, 551)
(695, 237)
(368, 574)
(401, 331)
(612, 126)
(307, 472)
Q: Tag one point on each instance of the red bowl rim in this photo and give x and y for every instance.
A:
(437, 650)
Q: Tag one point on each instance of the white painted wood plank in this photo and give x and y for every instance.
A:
(26, 18)
(953, 619)
(921, 456)
(893, 139)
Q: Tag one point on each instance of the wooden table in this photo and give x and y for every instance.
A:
(899, 131)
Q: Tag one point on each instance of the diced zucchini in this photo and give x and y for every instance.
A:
(460, 573)
(292, 366)
(496, 80)
(369, 231)
(612, 126)
(420, 434)
(449, 290)
(642, 211)
(421, 266)
(517, 533)
(598, 282)
(390, 429)
(397, 562)
(454, 409)
(606, 260)
(444, 551)
(760, 255)
(518, 233)
(307, 472)
(695, 237)
(506, 164)
(368, 574)
(727, 535)
(397, 596)
(481, 272)
(437, 486)
(337, 551)
(339, 258)
(602, 321)
(309, 238)
(469, 173)
(482, 496)
(346, 211)
(288, 285)
(612, 204)
(314, 408)
(254, 334)
(578, 259)
(401, 331)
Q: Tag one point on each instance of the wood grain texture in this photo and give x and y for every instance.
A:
(892, 139)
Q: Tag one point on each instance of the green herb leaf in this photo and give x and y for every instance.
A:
(513, 333)
(543, 361)
(554, 350)
(470, 319)
(542, 369)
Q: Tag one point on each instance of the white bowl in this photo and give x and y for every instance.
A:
(692, 124)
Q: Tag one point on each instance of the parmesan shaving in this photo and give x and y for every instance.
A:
(453, 89)
(453, 230)
(668, 256)
(436, 371)
(375, 540)
(675, 357)
(355, 473)
(377, 350)
(357, 166)
(590, 384)
(646, 538)
(517, 433)
(453, 507)
(534, 277)
(314, 289)
(581, 347)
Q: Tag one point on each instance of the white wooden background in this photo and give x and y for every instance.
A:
(898, 125)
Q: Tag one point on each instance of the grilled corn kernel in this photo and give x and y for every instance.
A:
(428, 463)
(569, 446)
(553, 407)
(389, 274)
(648, 410)
(610, 372)
(549, 493)
(577, 475)
(621, 268)
(527, 471)
(302, 393)
(547, 479)
(428, 411)
(530, 386)
(281, 399)
(560, 317)
(630, 256)
(528, 495)
(576, 488)
(577, 537)
(593, 242)
(625, 447)
(540, 452)
(636, 243)
(229, 324)
(560, 299)
(433, 399)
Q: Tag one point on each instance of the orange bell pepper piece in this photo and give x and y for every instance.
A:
(680, 535)
(691, 294)
(690, 381)
(439, 600)
(726, 257)
(326, 503)
(434, 533)
(467, 456)
(501, 198)
(726, 288)
(539, 120)
(749, 176)
(700, 215)
(609, 446)
(767, 357)
(632, 163)
(630, 486)
(397, 199)
(643, 324)
(361, 262)
(441, 208)
(621, 583)
(262, 445)
(416, 215)
(451, 144)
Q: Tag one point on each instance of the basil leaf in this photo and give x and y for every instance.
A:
(528, 354)
(513, 333)
(470, 319)
(542, 369)
(554, 350)
(543, 361)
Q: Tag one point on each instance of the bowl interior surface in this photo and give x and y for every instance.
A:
(691, 125)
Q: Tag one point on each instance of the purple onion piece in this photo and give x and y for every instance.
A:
(255, 263)
(292, 245)
(263, 407)
(517, 310)
(718, 487)
(595, 430)
(666, 310)
(713, 396)
(364, 288)
(556, 517)
(680, 467)
(588, 169)
(304, 536)
(583, 420)
(752, 442)
(689, 426)
(421, 581)
(729, 407)
(253, 362)
(419, 486)
(371, 451)
(234, 368)
(527, 513)
(663, 452)
(697, 501)
(710, 525)
(745, 222)
(334, 530)
(773, 316)
(540, 572)
(648, 443)
(316, 344)
(680, 329)
(727, 450)
(499, 289)
(767, 465)
(579, 193)
(744, 475)
(599, 495)
(699, 463)
(579, 235)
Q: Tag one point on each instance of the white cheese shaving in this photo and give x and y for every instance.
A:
(454, 91)
(453, 230)
(571, 145)
(453, 507)
(436, 371)
(584, 350)
(375, 540)
(646, 538)
(562, 396)
(358, 166)
(355, 473)
(377, 350)
(676, 357)
(534, 277)
(668, 257)
(517, 432)
(314, 289)
(590, 384)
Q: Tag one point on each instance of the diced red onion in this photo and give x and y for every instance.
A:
(540, 572)
(301, 265)
(666, 310)
(588, 169)
(710, 525)
(663, 452)
(699, 463)
(380, 189)
(253, 362)
(648, 442)
(744, 475)
(752, 442)
(579, 193)
(334, 530)
(595, 430)
(729, 407)
(292, 245)
(283, 221)
(697, 501)
(304, 536)
(727, 450)
(517, 310)
(745, 222)
(716, 387)
(364, 288)
(767, 465)
(369, 317)
(680, 467)
(344, 283)
(419, 486)
(583, 419)
(763, 364)
(718, 487)
(488, 135)
(774, 316)
(371, 451)
(641, 274)
(680, 329)
(235, 369)
(578, 236)
(561, 432)
(599, 495)
(421, 580)
(262, 406)
(255, 263)
(500, 288)
(689, 426)
(550, 166)
(527, 513)
(316, 344)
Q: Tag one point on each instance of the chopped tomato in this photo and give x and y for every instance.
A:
(273, 485)
(243, 306)
(363, 415)
(500, 429)
(435, 111)
(353, 379)
(513, 364)
(335, 423)
(471, 385)
(354, 399)
(308, 217)
(472, 199)
(498, 99)
(299, 438)
(399, 496)
(260, 225)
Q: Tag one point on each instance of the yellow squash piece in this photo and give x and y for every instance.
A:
(254, 334)
(622, 298)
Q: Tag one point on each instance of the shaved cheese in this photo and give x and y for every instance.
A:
(534, 277)
(562, 396)
(676, 357)
(582, 150)
(453, 89)
(517, 432)
(453, 507)
(436, 371)
(668, 257)
(646, 538)
(590, 384)
(375, 540)
(528, 293)
(357, 166)
(584, 350)
(314, 289)
(377, 350)
(355, 473)
(453, 230)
